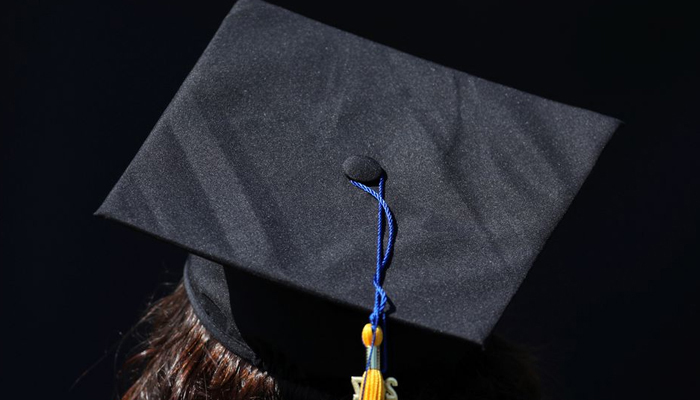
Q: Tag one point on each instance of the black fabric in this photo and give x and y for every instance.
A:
(300, 337)
(208, 291)
(245, 169)
(362, 169)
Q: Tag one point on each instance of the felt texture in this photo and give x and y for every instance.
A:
(245, 169)
(362, 169)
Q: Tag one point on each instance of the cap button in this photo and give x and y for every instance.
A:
(362, 169)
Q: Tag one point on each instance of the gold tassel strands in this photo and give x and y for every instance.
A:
(371, 385)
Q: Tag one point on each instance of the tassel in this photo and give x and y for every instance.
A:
(373, 387)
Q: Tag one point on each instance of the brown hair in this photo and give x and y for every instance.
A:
(179, 360)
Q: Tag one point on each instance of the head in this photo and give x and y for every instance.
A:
(255, 167)
(179, 359)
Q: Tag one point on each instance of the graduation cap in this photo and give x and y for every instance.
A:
(260, 168)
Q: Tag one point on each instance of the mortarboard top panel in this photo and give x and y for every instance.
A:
(245, 169)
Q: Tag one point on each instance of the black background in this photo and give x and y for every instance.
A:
(611, 306)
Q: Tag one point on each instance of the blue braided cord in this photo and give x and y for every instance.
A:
(380, 235)
(380, 294)
(382, 263)
(380, 242)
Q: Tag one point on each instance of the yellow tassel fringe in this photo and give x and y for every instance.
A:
(373, 387)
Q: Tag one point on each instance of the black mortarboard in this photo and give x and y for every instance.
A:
(246, 170)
